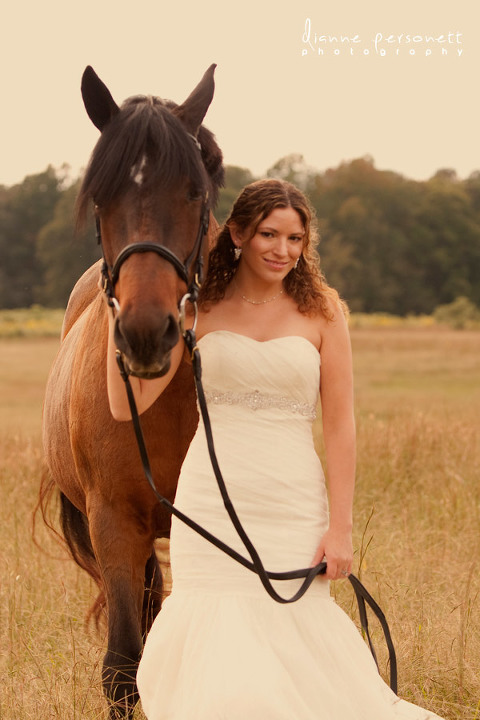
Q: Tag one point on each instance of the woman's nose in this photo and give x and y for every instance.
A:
(281, 247)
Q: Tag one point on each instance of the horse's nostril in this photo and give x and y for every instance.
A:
(120, 341)
(170, 335)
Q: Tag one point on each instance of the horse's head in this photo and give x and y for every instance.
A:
(153, 177)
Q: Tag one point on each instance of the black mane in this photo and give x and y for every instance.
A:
(146, 127)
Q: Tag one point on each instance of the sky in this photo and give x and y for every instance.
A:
(332, 81)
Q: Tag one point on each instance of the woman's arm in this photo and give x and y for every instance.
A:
(145, 391)
(336, 391)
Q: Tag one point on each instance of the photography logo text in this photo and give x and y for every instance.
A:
(381, 44)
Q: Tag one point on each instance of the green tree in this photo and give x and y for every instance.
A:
(62, 254)
(365, 216)
(451, 249)
(292, 168)
(24, 209)
(391, 244)
(235, 179)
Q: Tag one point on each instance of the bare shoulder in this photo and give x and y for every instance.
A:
(335, 319)
(322, 326)
(335, 349)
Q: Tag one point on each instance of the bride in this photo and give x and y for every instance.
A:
(273, 339)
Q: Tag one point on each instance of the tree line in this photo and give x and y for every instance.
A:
(387, 243)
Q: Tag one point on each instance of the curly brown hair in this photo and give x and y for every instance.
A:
(305, 283)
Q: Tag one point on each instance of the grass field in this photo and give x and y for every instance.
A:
(417, 528)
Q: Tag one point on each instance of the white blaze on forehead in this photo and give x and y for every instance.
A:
(136, 173)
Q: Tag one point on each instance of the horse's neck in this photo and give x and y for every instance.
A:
(83, 294)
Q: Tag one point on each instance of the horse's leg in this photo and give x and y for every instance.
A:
(76, 533)
(122, 548)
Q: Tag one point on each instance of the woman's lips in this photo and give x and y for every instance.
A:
(275, 265)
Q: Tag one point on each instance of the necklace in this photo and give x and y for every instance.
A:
(258, 302)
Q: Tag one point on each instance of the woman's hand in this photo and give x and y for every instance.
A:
(337, 550)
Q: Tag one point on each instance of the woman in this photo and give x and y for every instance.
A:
(221, 649)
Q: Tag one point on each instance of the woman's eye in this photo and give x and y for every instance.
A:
(266, 234)
(295, 238)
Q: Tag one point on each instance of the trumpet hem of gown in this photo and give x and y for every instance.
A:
(222, 657)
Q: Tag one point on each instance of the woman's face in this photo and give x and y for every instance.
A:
(276, 245)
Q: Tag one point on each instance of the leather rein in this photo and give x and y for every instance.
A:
(110, 277)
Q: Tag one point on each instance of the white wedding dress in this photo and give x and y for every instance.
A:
(221, 648)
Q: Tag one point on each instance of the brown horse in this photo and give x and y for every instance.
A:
(152, 174)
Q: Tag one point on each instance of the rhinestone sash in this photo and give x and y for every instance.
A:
(258, 401)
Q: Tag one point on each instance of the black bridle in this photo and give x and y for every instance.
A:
(193, 280)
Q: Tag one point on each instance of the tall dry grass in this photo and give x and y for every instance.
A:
(417, 530)
(49, 666)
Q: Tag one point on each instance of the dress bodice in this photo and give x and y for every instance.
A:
(282, 373)
(261, 399)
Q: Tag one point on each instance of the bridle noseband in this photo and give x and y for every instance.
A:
(193, 281)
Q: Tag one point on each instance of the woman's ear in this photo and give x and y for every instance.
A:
(236, 234)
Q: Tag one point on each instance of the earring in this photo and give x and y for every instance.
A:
(296, 263)
(237, 253)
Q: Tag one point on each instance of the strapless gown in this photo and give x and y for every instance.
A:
(221, 648)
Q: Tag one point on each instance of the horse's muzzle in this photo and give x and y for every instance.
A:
(146, 350)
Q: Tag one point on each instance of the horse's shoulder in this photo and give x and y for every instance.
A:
(85, 291)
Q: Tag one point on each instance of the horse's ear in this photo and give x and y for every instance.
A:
(99, 103)
(193, 110)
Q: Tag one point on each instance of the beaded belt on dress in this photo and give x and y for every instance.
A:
(257, 401)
